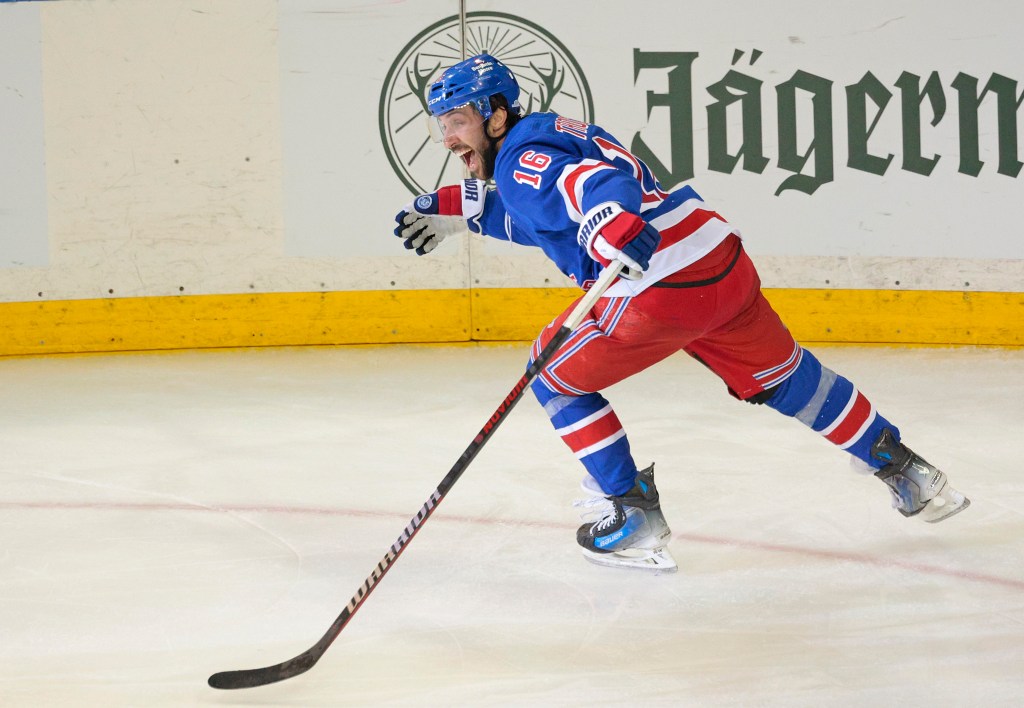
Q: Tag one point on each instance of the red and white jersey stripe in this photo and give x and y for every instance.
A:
(571, 185)
(689, 232)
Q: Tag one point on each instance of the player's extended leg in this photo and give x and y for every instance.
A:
(759, 360)
(626, 527)
(830, 405)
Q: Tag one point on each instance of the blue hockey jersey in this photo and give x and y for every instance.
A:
(552, 170)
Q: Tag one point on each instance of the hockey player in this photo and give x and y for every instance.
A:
(572, 190)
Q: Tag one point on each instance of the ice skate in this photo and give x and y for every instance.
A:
(918, 488)
(627, 531)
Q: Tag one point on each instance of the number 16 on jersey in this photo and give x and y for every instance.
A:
(534, 161)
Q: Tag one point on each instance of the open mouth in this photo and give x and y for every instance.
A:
(468, 157)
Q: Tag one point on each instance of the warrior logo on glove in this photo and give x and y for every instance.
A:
(609, 233)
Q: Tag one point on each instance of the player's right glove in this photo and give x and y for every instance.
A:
(425, 221)
(610, 233)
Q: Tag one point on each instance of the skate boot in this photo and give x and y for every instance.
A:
(918, 488)
(627, 531)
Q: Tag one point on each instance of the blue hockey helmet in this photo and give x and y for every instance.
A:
(472, 82)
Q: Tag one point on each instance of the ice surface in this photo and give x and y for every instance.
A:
(166, 516)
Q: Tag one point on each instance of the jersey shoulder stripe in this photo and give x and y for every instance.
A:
(570, 185)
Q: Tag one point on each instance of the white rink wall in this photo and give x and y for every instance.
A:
(169, 147)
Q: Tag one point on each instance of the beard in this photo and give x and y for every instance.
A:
(488, 156)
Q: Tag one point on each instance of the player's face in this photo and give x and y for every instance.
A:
(456, 122)
(464, 131)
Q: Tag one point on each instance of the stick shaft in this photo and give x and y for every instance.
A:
(248, 678)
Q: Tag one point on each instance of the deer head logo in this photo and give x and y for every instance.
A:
(549, 77)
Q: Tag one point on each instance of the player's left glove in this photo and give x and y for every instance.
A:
(610, 233)
(429, 218)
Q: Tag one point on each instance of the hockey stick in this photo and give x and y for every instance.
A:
(248, 678)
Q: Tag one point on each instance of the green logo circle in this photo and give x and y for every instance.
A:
(549, 77)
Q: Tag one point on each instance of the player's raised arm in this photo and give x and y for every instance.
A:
(425, 221)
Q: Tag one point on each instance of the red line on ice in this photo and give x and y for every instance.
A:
(691, 537)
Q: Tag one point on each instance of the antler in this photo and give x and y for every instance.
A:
(421, 80)
(552, 83)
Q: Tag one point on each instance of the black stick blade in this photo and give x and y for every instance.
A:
(250, 678)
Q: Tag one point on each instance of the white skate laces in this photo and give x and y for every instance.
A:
(627, 531)
(599, 511)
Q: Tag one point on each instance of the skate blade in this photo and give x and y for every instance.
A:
(653, 560)
(945, 504)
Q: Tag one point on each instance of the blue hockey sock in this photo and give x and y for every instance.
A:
(830, 405)
(590, 428)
